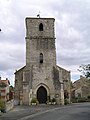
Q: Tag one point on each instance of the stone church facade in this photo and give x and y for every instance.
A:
(41, 78)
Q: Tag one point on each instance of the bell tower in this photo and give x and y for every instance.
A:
(40, 58)
(40, 42)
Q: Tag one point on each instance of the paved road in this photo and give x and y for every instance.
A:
(22, 111)
(73, 112)
(43, 112)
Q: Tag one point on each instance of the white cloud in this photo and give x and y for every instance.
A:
(72, 27)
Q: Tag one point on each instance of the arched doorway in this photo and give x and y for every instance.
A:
(42, 95)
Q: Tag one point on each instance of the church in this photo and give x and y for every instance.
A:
(41, 78)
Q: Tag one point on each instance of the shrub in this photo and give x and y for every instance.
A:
(34, 100)
(81, 99)
(66, 101)
(2, 106)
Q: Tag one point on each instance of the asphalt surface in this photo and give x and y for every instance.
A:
(49, 112)
(19, 112)
(73, 112)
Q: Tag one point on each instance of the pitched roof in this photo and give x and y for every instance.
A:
(7, 82)
(19, 69)
(62, 68)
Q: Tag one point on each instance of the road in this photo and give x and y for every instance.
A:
(79, 111)
(73, 112)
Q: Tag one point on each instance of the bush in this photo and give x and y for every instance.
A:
(66, 101)
(34, 100)
(81, 100)
(2, 106)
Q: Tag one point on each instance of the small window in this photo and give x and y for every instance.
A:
(40, 27)
(41, 58)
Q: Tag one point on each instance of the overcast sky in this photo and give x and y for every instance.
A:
(72, 32)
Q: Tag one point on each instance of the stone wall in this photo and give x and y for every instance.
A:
(81, 87)
(9, 105)
(18, 83)
(32, 27)
(43, 75)
(40, 41)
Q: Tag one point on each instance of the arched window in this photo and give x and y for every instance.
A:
(40, 27)
(41, 58)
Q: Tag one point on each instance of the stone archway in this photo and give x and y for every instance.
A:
(42, 95)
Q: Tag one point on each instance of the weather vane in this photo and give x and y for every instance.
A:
(38, 15)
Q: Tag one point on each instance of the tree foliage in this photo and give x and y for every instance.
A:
(85, 70)
(11, 88)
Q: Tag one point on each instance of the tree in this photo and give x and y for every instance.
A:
(11, 88)
(11, 92)
(85, 70)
